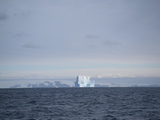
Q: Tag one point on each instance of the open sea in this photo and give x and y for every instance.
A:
(80, 104)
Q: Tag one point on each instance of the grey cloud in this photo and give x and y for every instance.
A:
(3, 16)
(31, 46)
(21, 34)
(21, 13)
(90, 36)
(111, 43)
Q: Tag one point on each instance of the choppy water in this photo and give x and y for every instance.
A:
(80, 104)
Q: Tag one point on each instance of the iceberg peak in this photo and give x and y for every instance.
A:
(84, 81)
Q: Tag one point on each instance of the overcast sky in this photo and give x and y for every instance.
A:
(104, 38)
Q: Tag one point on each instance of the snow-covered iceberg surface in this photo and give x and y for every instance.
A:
(84, 81)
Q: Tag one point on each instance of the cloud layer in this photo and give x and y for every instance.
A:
(87, 34)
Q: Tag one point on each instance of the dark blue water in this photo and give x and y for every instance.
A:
(80, 104)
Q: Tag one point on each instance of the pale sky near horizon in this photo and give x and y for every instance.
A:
(103, 38)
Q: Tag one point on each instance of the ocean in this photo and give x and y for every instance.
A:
(114, 103)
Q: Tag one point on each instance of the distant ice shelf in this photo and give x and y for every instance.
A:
(84, 81)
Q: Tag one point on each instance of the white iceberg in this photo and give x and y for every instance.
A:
(84, 81)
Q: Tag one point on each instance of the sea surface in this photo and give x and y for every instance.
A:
(80, 104)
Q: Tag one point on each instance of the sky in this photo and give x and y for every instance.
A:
(65, 38)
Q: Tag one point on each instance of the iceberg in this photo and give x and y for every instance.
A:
(84, 81)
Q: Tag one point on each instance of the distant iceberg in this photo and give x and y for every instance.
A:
(84, 81)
